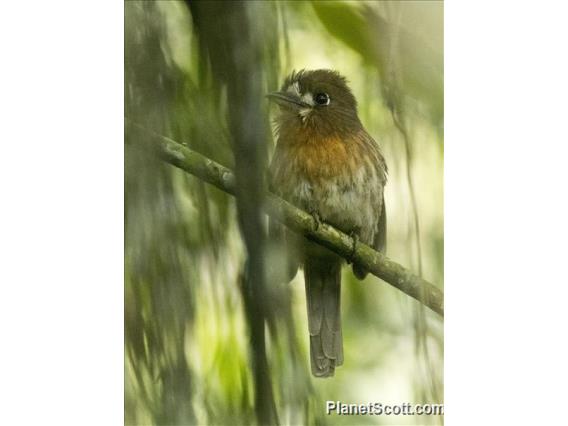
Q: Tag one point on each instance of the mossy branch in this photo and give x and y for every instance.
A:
(303, 223)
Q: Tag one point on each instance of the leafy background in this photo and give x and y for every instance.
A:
(186, 336)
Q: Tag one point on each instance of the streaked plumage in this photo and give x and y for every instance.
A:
(327, 164)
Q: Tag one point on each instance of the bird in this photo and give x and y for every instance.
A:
(327, 164)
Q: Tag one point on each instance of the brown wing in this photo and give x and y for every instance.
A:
(379, 241)
(380, 238)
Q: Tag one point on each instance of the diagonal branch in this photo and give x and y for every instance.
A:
(303, 223)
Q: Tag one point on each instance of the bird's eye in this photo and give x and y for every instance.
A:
(322, 99)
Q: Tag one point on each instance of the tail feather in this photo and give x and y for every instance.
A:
(323, 295)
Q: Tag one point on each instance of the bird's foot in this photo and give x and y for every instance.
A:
(355, 237)
(317, 219)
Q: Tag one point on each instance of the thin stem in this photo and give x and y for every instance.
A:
(303, 223)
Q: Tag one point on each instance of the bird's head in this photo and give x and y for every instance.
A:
(317, 100)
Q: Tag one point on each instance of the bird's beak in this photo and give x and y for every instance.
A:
(287, 99)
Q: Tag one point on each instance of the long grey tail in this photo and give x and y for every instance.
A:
(323, 295)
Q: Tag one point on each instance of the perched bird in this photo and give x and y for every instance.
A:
(326, 163)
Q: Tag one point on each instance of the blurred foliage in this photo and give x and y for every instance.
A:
(187, 353)
(381, 34)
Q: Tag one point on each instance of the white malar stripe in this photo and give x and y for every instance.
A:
(305, 112)
(308, 98)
